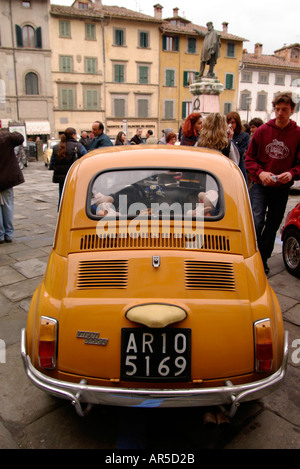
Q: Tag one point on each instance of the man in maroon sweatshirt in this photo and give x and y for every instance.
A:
(273, 162)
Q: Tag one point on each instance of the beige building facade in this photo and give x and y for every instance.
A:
(25, 76)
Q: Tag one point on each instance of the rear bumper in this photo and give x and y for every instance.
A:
(83, 393)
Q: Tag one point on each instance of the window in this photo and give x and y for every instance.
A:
(64, 28)
(143, 39)
(91, 99)
(295, 53)
(119, 107)
(191, 45)
(66, 63)
(26, 4)
(245, 100)
(142, 108)
(90, 65)
(169, 109)
(82, 6)
(143, 77)
(67, 98)
(229, 81)
(135, 194)
(31, 83)
(230, 49)
(169, 77)
(261, 102)
(171, 43)
(27, 36)
(279, 79)
(263, 78)
(119, 76)
(227, 108)
(188, 78)
(187, 108)
(90, 31)
(246, 76)
(119, 37)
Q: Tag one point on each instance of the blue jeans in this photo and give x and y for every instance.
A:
(7, 214)
(268, 207)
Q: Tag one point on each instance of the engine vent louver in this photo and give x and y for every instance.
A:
(201, 275)
(203, 242)
(102, 274)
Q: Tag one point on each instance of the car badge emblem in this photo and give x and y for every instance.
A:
(91, 338)
(156, 261)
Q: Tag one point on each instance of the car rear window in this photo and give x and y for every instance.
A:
(163, 193)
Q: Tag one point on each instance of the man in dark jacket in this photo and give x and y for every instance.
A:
(137, 138)
(100, 139)
(10, 176)
(273, 162)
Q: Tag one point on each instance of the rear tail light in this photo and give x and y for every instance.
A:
(263, 346)
(47, 342)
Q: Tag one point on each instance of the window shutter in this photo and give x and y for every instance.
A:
(38, 37)
(19, 36)
(176, 43)
(119, 108)
(229, 81)
(185, 78)
(164, 43)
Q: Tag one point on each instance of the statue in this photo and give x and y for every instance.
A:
(210, 50)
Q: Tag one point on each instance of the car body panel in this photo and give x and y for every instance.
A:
(101, 291)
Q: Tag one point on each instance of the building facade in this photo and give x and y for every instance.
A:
(181, 45)
(25, 77)
(262, 77)
(77, 66)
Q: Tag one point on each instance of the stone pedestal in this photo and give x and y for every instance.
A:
(206, 95)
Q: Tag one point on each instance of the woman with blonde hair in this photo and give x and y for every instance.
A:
(214, 135)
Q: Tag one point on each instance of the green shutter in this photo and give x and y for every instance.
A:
(185, 78)
(19, 36)
(38, 37)
(119, 73)
(176, 45)
(229, 81)
(170, 78)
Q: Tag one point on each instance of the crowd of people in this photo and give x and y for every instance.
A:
(268, 155)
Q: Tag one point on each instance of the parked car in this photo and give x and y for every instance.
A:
(48, 151)
(290, 236)
(155, 292)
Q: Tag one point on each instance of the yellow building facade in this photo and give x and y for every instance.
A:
(130, 70)
(181, 45)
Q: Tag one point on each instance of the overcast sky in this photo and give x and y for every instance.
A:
(272, 23)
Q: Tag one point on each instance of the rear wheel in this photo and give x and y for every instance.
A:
(291, 251)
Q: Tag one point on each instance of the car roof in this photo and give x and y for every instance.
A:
(73, 215)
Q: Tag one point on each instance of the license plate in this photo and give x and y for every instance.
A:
(155, 354)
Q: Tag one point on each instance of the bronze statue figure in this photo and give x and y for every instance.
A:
(210, 50)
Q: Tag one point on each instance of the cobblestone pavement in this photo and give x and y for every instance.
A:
(31, 419)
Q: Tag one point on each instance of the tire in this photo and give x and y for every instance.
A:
(291, 251)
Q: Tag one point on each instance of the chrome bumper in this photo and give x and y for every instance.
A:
(83, 393)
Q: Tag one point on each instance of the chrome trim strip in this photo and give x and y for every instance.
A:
(88, 394)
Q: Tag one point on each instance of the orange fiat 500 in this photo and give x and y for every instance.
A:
(155, 292)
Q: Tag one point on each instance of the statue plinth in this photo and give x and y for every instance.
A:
(206, 94)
